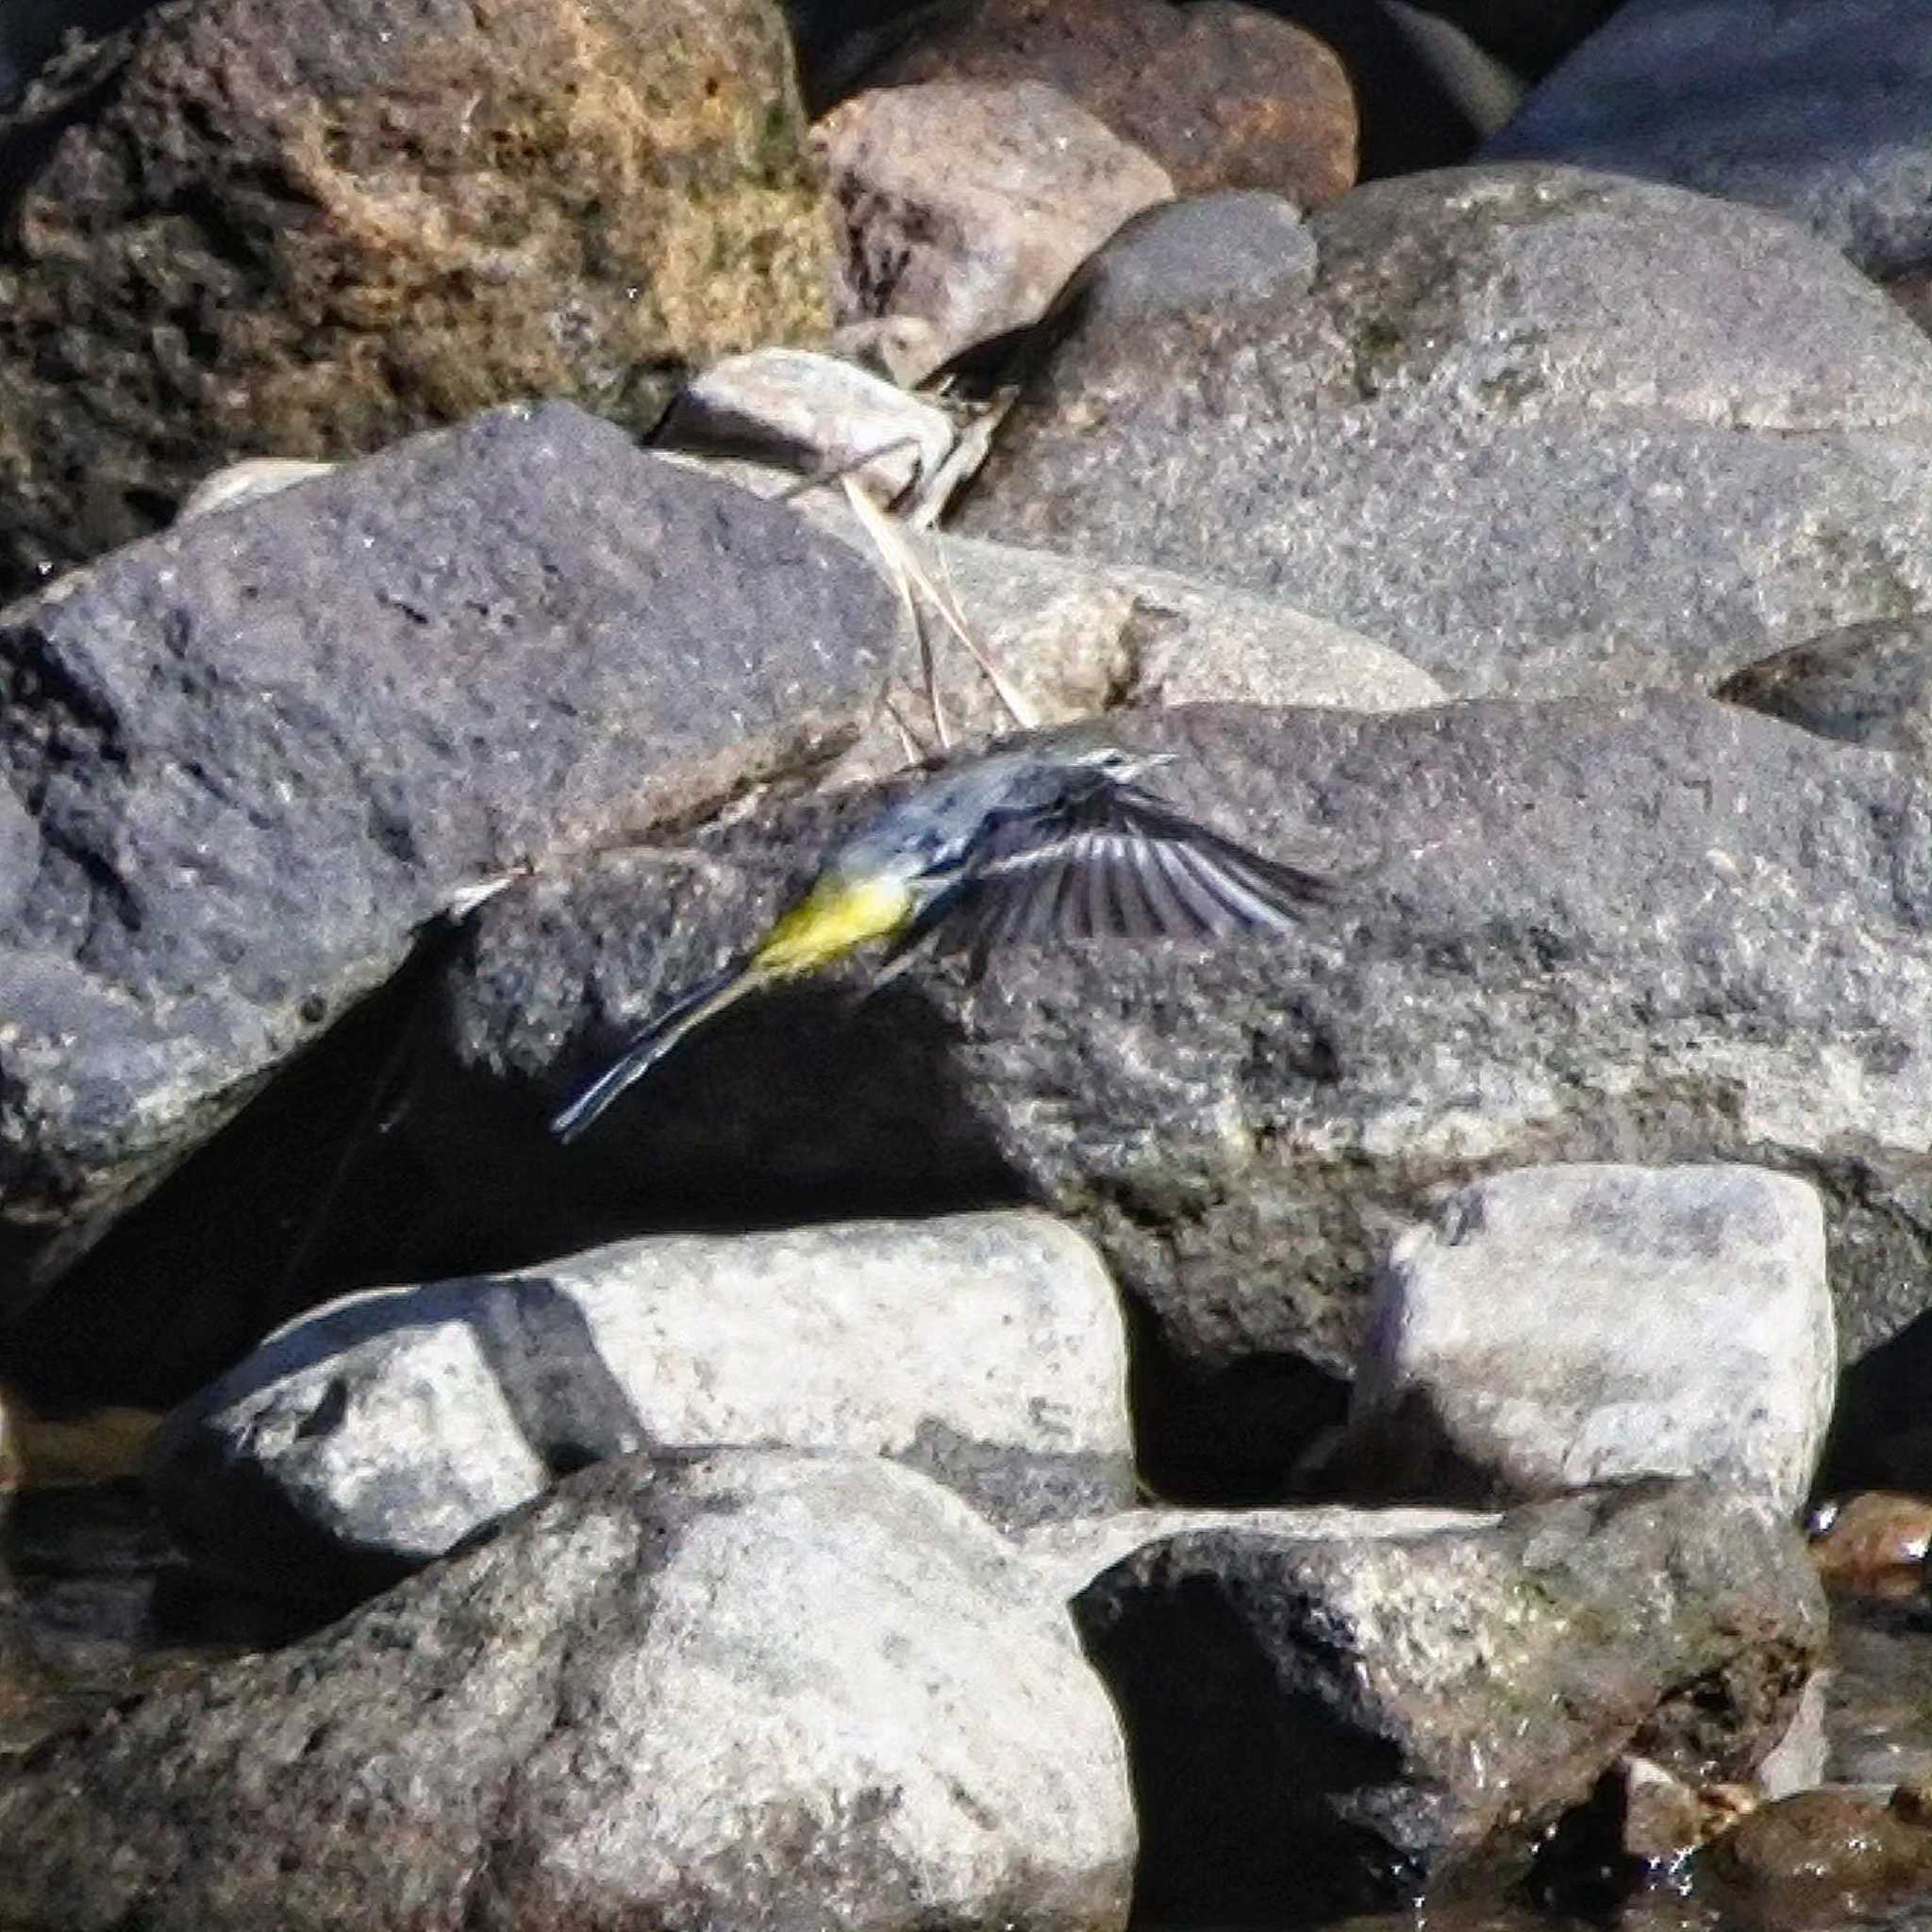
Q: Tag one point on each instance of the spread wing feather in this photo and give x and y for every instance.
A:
(1121, 864)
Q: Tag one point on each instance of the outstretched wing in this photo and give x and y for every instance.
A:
(1122, 864)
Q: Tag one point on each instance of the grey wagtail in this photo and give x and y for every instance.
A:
(1036, 844)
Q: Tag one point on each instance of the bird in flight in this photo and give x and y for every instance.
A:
(1037, 844)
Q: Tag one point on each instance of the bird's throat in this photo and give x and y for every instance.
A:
(833, 918)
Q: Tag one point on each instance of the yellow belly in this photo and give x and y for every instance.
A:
(829, 920)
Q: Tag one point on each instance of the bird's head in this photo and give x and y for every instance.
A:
(1118, 764)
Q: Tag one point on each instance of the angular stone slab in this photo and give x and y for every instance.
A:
(1559, 1327)
(1352, 1722)
(374, 1434)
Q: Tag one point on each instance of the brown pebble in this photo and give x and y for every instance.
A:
(1875, 1543)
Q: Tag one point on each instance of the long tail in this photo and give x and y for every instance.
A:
(712, 996)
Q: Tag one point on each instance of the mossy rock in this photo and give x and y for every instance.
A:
(308, 227)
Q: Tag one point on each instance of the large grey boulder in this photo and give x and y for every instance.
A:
(244, 762)
(1656, 930)
(1357, 1721)
(1820, 111)
(1450, 424)
(1554, 1327)
(374, 1434)
(752, 1690)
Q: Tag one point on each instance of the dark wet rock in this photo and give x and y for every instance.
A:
(1878, 1704)
(245, 762)
(1220, 95)
(966, 206)
(30, 31)
(1530, 35)
(750, 1690)
(1557, 1326)
(1353, 1722)
(1867, 684)
(377, 1433)
(1827, 1853)
(1660, 930)
(1818, 112)
(1457, 432)
(308, 227)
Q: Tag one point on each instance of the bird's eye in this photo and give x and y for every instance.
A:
(935, 851)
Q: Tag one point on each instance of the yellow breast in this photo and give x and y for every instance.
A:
(830, 920)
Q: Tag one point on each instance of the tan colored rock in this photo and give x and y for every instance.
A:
(1222, 95)
(970, 203)
(308, 227)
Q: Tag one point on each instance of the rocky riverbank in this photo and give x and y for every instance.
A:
(1271, 1428)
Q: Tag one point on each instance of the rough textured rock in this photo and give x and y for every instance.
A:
(1355, 1721)
(1457, 432)
(1074, 637)
(967, 205)
(282, 227)
(377, 1433)
(30, 31)
(1867, 684)
(808, 412)
(1651, 930)
(1658, 929)
(749, 1692)
(1220, 95)
(1559, 1327)
(1818, 112)
(245, 761)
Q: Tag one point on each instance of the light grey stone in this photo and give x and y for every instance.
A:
(970, 203)
(747, 1692)
(1469, 436)
(1354, 1723)
(1075, 639)
(808, 412)
(247, 482)
(1799, 1760)
(1823, 112)
(1553, 1327)
(374, 1434)
(1071, 1555)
